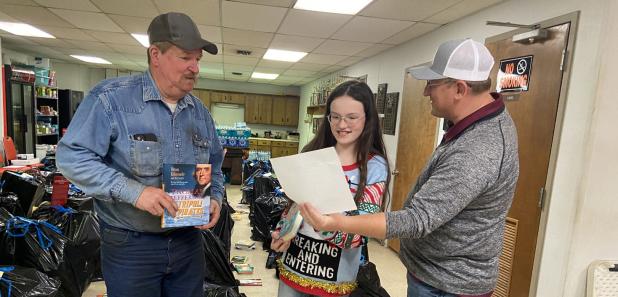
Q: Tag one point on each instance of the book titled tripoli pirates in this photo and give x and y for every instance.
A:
(190, 190)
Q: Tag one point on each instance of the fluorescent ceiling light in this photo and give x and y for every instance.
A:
(333, 6)
(90, 59)
(22, 29)
(142, 39)
(282, 55)
(264, 75)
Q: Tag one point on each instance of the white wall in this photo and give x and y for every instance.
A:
(562, 265)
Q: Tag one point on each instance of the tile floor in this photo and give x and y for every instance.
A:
(392, 272)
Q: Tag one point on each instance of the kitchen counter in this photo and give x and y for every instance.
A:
(272, 139)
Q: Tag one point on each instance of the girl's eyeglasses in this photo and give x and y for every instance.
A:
(350, 119)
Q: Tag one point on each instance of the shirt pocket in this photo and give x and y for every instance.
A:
(146, 158)
(201, 149)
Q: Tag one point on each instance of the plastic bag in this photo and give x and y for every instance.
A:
(83, 246)
(221, 291)
(268, 210)
(218, 270)
(368, 282)
(223, 228)
(27, 282)
(10, 202)
(7, 242)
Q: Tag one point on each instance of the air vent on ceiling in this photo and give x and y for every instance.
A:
(243, 52)
(237, 73)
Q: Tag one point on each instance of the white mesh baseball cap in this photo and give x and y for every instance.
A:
(463, 59)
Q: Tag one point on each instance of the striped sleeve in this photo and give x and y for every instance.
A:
(371, 202)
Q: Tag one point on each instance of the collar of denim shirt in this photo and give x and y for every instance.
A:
(151, 92)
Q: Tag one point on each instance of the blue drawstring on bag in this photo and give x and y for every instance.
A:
(8, 283)
(20, 226)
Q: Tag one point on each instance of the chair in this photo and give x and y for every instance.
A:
(9, 149)
(602, 279)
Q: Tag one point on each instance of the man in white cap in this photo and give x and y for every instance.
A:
(452, 223)
(114, 149)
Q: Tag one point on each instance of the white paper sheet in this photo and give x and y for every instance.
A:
(315, 177)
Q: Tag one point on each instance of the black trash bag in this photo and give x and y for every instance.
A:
(10, 202)
(221, 291)
(82, 230)
(81, 203)
(262, 185)
(224, 226)
(218, 269)
(42, 246)
(7, 242)
(368, 282)
(268, 210)
(29, 190)
(27, 282)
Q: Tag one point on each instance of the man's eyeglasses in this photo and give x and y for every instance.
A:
(434, 83)
(350, 119)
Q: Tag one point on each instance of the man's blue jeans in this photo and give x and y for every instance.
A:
(139, 264)
(417, 288)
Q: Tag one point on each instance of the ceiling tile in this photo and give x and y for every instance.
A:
(210, 33)
(88, 20)
(131, 24)
(138, 8)
(75, 34)
(113, 37)
(322, 59)
(230, 50)
(240, 60)
(289, 78)
(129, 49)
(51, 42)
(212, 70)
(6, 18)
(238, 68)
(460, 10)
(370, 29)
(34, 16)
(416, 30)
(245, 37)
(212, 58)
(95, 45)
(333, 68)
(373, 50)
(251, 16)
(274, 64)
(308, 66)
(69, 4)
(204, 12)
(295, 43)
(234, 77)
(299, 73)
(20, 2)
(410, 10)
(350, 61)
(312, 23)
(337, 47)
(280, 3)
(268, 70)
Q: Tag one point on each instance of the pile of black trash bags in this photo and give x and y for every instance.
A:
(50, 251)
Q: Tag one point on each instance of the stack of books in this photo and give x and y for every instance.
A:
(245, 245)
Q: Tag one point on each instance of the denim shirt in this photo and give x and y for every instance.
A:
(103, 155)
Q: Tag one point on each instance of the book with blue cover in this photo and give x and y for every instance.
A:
(189, 186)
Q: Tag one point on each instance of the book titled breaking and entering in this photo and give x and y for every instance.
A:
(190, 190)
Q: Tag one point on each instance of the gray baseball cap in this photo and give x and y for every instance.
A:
(179, 29)
(463, 59)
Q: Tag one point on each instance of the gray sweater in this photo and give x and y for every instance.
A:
(452, 222)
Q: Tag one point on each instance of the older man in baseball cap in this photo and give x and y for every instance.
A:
(452, 223)
(115, 148)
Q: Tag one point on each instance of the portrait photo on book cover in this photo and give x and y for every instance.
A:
(202, 180)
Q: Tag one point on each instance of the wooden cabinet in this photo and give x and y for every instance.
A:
(203, 95)
(258, 109)
(277, 148)
(263, 145)
(285, 111)
(225, 97)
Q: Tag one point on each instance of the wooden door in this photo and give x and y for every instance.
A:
(417, 138)
(252, 112)
(217, 97)
(534, 113)
(291, 111)
(278, 111)
(265, 103)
